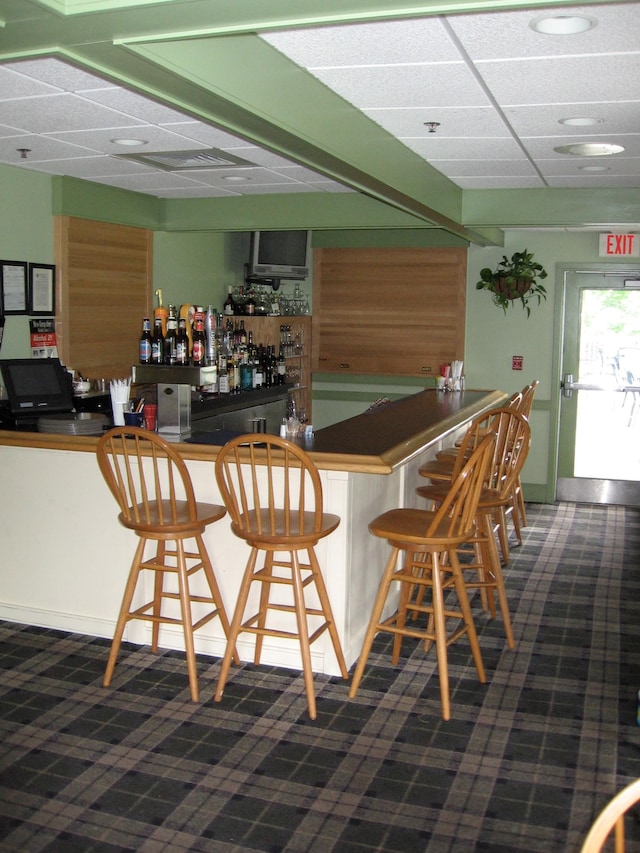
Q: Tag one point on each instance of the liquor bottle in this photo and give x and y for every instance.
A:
(171, 339)
(282, 367)
(229, 306)
(198, 356)
(145, 342)
(258, 375)
(157, 342)
(182, 343)
(161, 312)
(210, 332)
(250, 305)
(223, 374)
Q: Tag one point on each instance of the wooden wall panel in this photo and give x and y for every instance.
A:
(104, 290)
(390, 311)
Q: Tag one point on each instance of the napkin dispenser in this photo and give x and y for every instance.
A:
(174, 410)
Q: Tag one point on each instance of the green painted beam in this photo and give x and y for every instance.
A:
(89, 200)
(551, 207)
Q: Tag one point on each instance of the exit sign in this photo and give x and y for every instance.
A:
(619, 246)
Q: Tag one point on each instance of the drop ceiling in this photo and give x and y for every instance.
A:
(495, 90)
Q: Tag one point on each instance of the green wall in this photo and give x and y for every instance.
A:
(26, 234)
(198, 266)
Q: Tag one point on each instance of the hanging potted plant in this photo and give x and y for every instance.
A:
(514, 278)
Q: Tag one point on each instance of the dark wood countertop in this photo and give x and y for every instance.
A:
(389, 435)
(375, 442)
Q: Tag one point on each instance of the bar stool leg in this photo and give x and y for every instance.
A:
(265, 593)
(187, 624)
(378, 606)
(441, 636)
(158, 584)
(234, 628)
(215, 591)
(125, 607)
(328, 612)
(494, 568)
(303, 633)
(465, 607)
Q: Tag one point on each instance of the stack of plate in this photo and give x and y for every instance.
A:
(80, 423)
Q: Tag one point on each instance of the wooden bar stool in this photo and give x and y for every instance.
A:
(273, 494)
(518, 510)
(429, 541)
(513, 437)
(152, 486)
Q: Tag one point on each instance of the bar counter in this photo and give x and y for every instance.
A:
(65, 556)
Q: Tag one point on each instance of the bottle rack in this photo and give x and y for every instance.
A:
(294, 332)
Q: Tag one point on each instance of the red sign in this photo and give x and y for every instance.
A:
(619, 246)
(516, 362)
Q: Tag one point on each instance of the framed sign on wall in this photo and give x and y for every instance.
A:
(13, 287)
(42, 289)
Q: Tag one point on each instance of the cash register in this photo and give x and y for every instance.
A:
(39, 397)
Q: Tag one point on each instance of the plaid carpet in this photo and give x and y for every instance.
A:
(524, 765)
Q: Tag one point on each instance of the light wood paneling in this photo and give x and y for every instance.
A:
(388, 311)
(104, 291)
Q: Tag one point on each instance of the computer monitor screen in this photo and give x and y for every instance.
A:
(36, 385)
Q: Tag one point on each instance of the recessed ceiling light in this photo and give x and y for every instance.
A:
(562, 25)
(580, 121)
(130, 142)
(594, 168)
(590, 149)
(235, 178)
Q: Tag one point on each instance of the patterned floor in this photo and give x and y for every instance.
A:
(523, 766)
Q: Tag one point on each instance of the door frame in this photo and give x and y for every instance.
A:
(563, 271)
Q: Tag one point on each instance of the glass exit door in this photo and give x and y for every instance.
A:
(599, 450)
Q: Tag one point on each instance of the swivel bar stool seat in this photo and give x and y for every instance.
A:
(273, 494)
(153, 488)
(429, 541)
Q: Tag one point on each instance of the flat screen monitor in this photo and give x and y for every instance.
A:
(280, 254)
(37, 385)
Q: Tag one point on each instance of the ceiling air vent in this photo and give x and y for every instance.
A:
(174, 161)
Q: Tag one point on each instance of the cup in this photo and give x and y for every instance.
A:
(134, 419)
(150, 413)
(118, 412)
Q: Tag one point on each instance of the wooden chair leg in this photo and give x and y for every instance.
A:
(406, 590)
(303, 634)
(441, 637)
(488, 556)
(494, 567)
(125, 608)
(216, 595)
(328, 612)
(467, 617)
(522, 511)
(372, 628)
(236, 621)
(187, 619)
(158, 585)
(501, 523)
(265, 593)
(514, 511)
